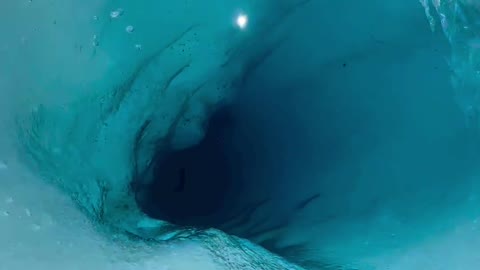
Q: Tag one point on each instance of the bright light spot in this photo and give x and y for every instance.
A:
(242, 21)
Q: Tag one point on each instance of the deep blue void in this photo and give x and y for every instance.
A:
(191, 185)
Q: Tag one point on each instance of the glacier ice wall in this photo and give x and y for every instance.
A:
(98, 93)
(164, 91)
(350, 122)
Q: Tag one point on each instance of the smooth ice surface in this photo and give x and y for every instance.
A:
(346, 102)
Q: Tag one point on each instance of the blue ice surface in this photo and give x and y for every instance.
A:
(352, 102)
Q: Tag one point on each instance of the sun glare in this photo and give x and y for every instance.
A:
(242, 21)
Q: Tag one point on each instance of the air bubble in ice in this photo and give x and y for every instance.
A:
(116, 13)
(129, 29)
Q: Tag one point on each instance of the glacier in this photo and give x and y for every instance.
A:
(286, 134)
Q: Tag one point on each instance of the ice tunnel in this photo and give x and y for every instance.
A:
(274, 134)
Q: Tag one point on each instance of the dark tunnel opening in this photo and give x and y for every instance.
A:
(213, 184)
(236, 179)
(193, 186)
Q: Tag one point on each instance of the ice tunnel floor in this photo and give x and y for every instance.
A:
(383, 241)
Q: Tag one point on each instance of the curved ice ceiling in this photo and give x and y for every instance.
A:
(304, 133)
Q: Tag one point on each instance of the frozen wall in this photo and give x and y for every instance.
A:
(390, 152)
(91, 87)
(345, 121)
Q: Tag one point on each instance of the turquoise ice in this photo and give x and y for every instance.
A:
(354, 134)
